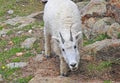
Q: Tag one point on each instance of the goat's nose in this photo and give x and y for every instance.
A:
(73, 64)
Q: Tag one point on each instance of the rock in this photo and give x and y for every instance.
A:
(94, 26)
(94, 6)
(10, 43)
(99, 45)
(19, 54)
(28, 43)
(23, 21)
(114, 30)
(59, 79)
(113, 9)
(88, 26)
(101, 26)
(37, 79)
(17, 65)
(10, 11)
(39, 58)
(1, 79)
(30, 31)
(19, 32)
(3, 32)
(81, 5)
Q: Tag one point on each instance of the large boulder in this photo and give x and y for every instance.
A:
(94, 6)
(96, 26)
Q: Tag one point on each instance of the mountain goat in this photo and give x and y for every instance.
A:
(62, 24)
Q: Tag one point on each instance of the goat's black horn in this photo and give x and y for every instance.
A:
(71, 38)
(62, 38)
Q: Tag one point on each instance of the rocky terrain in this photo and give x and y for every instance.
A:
(100, 61)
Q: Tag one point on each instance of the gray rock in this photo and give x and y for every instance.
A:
(23, 21)
(100, 26)
(37, 79)
(100, 45)
(30, 31)
(39, 58)
(28, 43)
(81, 5)
(59, 79)
(3, 32)
(114, 30)
(1, 79)
(93, 27)
(10, 11)
(97, 6)
(17, 65)
(20, 32)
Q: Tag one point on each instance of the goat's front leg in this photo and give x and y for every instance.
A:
(47, 37)
(63, 67)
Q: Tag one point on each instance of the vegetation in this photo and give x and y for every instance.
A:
(19, 7)
(98, 38)
(10, 45)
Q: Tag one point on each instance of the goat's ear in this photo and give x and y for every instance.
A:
(78, 35)
(57, 39)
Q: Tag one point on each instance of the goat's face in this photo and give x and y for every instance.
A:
(70, 51)
(71, 54)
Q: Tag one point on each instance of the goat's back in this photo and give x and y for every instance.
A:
(61, 14)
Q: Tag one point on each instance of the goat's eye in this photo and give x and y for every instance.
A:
(63, 49)
(74, 47)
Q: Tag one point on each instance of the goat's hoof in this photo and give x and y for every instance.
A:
(64, 75)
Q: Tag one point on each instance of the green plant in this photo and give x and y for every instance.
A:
(16, 59)
(28, 54)
(98, 38)
(8, 72)
(24, 80)
(10, 32)
(17, 40)
(1, 27)
(107, 81)
(100, 66)
(119, 35)
(42, 23)
(3, 43)
(5, 55)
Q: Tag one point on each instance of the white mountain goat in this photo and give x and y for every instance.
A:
(62, 24)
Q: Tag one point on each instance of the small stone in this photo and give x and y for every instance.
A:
(5, 49)
(10, 11)
(30, 31)
(28, 43)
(17, 65)
(10, 43)
(23, 5)
(114, 30)
(3, 32)
(39, 58)
(19, 54)
(20, 32)
(42, 52)
(1, 79)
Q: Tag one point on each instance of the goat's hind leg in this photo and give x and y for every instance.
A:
(47, 38)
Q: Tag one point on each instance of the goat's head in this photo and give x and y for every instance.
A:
(70, 50)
